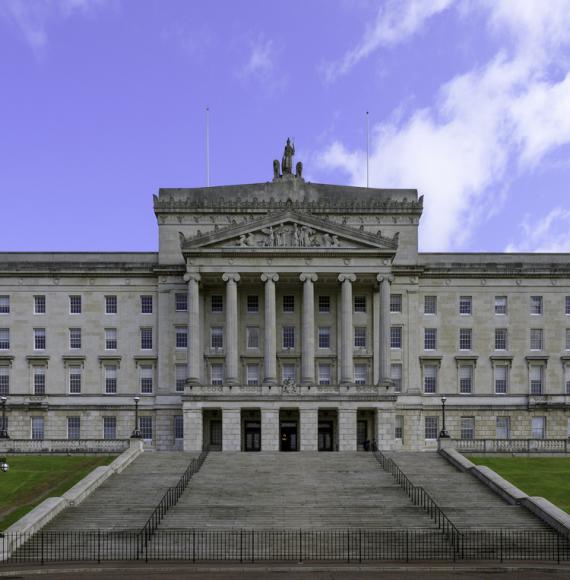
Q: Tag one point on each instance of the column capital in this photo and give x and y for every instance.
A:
(194, 276)
(233, 276)
(385, 278)
(347, 277)
(269, 276)
(308, 277)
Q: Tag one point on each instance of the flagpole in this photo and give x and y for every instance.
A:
(367, 150)
(207, 146)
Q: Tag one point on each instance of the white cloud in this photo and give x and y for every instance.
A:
(260, 62)
(550, 233)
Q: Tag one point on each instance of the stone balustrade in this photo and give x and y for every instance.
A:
(38, 446)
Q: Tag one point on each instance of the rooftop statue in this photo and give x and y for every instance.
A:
(287, 160)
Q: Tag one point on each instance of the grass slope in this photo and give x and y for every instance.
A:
(33, 478)
(548, 477)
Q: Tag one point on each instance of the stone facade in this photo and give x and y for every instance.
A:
(286, 315)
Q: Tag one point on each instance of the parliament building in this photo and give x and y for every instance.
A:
(290, 316)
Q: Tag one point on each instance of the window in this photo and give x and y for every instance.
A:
(109, 427)
(39, 375)
(536, 304)
(288, 337)
(181, 302)
(396, 376)
(324, 374)
(567, 341)
(146, 304)
(360, 337)
(324, 337)
(145, 426)
(430, 304)
(538, 426)
(217, 337)
(567, 305)
(288, 303)
(75, 338)
(252, 335)
(4, 304)
(4, 338)
(430, 427)
(288, 372)
(4, 381)
(503, 428)
(110, 339)
(430, 338)
(39, 304)
(360, 374)
(74, 427)
(178, 426)
(253, 304)
(465, 305)
(395, 337)
(501, 379)
(39, 338)
(399, 427)
(501, 339)
(252, 371)
(75, 379)
(217, 303)
(37, 428)
(566, 378)
(217, 374)
(181, 372)
(536, 339)
(465, 339)
(110, 305)
(324, 304)
(146, 338)
(146, 376)
(467, 428)
(500, 304)
(181, 337)
(536, 378)
(75, 305)
(465, 379)
(395, 303)
(360, 304)
(430, 379)
(110, 379)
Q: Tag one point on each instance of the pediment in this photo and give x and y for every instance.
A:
(290, 230)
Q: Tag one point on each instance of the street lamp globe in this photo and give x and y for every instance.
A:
(4, 465)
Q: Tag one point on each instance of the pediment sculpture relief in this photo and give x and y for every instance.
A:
(288, 236)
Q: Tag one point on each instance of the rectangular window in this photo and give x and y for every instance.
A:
(37, 428)
(567, 305)
(467, 428)
(395, 337)
(536, 339)
(181, 337)
(430, 427)
(146, 338)
(181, 372)
(324, 304)
(4, 338)
(566, 379)
(146, 304)
(288, 337)
(503, 428)
(4, 381)
(39, 304)
(146, 379)
(399, 427)
(501, 379)
(181, 302)
(39, 374)
(4, 304)
(465, 379)
(145, 426)
(324, 374)
(500, 304)
(178, 426)
(75, 338)
(567, 341)
(430, 379)
(253, 304)
(39, 338)
(536, 304)
(217, 303)
(109, 427)
(360, 337)
(75, 304)
(110, 379)
(360, 304)
(288, 372)
(360, 374)
(465, 305)
(217, 337)
(536, 378)
(110, 339)
(217, 374)
(465, 342)
(75, 379)
(74, 427)
(324, 337)
(288, 303)
(538, 427)
(395, 303)
(396, 376)
(252, 335)
(430, 339)
(252, 374)
(110, 305)
(430, 304)
(501, 339)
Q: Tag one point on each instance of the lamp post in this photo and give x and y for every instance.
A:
(4, 465)
(136, 434)
(4, 430)
(443, 434)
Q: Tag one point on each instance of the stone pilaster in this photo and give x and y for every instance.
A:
(231, 339)
(385, 423)
(194, 342)
(309, 419)
(270, 429)
(347, 341)
(346, 429)
(308, 353)
(231, 430)
(193, 430)
(270, 330)
(384, 351)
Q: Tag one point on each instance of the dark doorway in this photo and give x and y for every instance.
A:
(216, 434)
(253, 436)
(289, 436)
(361, 433)
(326, 436)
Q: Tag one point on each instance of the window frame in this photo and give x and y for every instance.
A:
(465, 310)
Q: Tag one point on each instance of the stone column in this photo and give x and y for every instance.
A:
(385, 282)
(270, 338)
(270, 429)
(231, 430)
(193, 429)
(308, 354)
(194, 342)
(346, 366)
(346, 429)
(309, 419)
(231, 339)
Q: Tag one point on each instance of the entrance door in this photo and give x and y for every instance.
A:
(252, 436)
(289, 436)
(361, 432)
(326, 436)
(216, 434)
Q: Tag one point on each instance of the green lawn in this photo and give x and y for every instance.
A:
(548, 477)
(33, 478)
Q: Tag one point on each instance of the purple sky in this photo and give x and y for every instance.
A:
(102, 102)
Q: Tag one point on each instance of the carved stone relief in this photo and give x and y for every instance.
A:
(288, 236)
